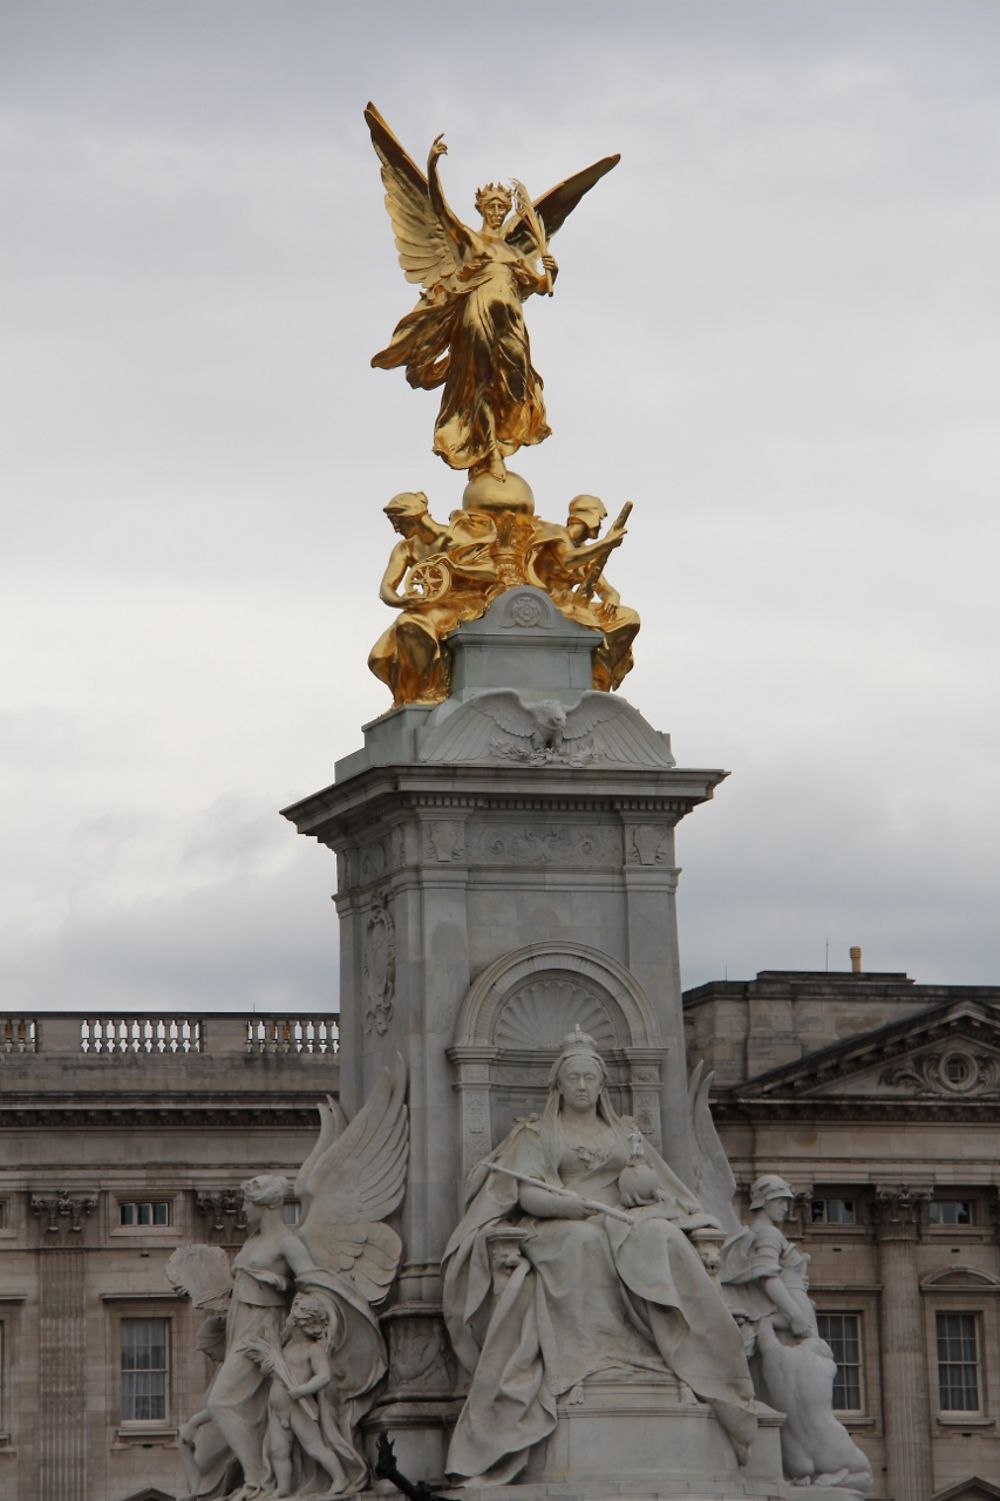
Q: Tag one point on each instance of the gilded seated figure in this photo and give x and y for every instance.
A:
(602, 1278)
(568, 563)
(767, 1285)
(436, 576)
(439, 575)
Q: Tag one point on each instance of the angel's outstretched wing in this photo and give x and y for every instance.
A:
(351, 1181)
(555, 206)
(426, 254)
(714, 1184)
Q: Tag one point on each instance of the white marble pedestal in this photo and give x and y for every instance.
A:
(649, 1437)
(506, 872)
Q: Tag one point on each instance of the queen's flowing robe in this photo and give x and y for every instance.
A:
(469, 335)
(587, 1296)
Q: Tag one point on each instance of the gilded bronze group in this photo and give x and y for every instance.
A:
(467, 334)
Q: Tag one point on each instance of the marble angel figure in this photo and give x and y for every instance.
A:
(303, 1350)
(588, 1291)
(767, 1286)
(467, 332)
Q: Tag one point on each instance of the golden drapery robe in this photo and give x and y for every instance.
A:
(469, 335)
(589, 1295)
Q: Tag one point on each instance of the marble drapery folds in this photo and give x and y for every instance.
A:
(583, 1296)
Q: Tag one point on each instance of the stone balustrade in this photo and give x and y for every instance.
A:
(17, 1034)
(165, 1034)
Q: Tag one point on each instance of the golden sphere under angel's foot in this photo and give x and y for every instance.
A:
(487, 493)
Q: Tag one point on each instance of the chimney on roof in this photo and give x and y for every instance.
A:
(855, 959)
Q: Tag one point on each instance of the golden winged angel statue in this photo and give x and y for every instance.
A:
(467, 332)
(302, 1351)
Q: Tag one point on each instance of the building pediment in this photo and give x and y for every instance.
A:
(949, 1053)
(973, 1489)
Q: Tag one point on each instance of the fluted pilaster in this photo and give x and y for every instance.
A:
(898, 1217)
(62, 1346)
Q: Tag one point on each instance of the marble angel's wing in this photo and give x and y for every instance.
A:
(713, 1182)
(354, 1179)
(426, 254)
(555, 206)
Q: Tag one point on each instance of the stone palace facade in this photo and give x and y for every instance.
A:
(878, 1099)
(123, 1138)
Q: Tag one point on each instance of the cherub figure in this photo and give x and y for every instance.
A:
(341, 1258)
(467, 332)
(299, 1410)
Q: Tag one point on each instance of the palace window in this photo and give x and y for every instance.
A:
(842, 1332)
(144, 1349)
(134, 1213)
(951, 1212)
(834, 1211)
(958, 1362)
(290, 1211)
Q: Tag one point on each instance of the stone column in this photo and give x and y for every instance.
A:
(905, 1394)
(63, 1431)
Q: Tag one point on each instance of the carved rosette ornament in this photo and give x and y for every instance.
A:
(379, 967)
(899, 1211)
(955, 1071)
(63, 1210)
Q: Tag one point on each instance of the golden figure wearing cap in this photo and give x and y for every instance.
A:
(467, 332)
(568, 563)
(436, 576)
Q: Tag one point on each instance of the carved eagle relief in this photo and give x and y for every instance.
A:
(502, 725)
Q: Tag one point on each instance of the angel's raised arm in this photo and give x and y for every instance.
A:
(450, 222)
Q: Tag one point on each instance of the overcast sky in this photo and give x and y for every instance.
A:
(776, 329)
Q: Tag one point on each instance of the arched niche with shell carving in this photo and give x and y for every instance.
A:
(513, 1020)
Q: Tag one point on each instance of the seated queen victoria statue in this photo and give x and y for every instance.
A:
(599, 1277)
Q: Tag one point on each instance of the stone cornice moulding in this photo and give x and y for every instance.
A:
(248, 1117)
(850, 1109)
(338, 814)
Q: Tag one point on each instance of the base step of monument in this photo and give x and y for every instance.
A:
(647, 1438)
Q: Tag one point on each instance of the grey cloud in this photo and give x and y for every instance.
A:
(774, 331)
